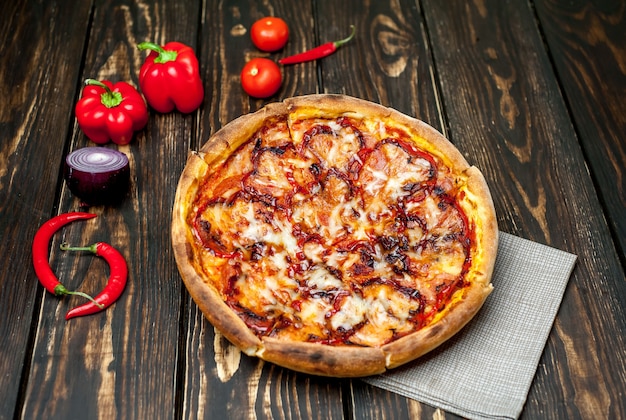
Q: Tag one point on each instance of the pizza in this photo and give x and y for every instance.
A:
(334, 236)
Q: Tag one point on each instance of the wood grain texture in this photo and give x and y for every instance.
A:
(34, 112)
(588, 44)
(530, 92)
(116, 364)
(389, 59)
(390, 405)
(221, 382)
(518, 132)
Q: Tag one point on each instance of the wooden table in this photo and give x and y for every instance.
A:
(532, 92)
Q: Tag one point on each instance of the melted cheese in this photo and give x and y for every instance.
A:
(352, 313)
(349, 258)
(320, 278)
(313, 311)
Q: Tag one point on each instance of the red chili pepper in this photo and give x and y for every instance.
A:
(115, 285)
(322, 51)
(110, 111)
(170, 77)
(41, 243)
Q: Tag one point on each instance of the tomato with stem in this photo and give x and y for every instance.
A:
(269, 33)
(261, 78)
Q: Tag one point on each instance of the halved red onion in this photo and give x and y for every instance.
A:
(97, 175)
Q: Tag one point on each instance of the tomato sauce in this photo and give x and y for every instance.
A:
(369, 252)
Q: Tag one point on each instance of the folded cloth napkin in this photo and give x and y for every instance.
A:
(485, 371)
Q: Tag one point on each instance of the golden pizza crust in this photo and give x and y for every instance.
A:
(324, 360)
(315, 358)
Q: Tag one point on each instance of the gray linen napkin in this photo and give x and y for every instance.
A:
(485, 371)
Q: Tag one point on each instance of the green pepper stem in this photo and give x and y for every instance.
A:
(345, 40)
(94, 82)
(91, 248)
(164, 55)
(109, 98)
(60, 290)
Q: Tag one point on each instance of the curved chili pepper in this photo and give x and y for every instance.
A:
(115, 285)
(41, 244)
(321, 51)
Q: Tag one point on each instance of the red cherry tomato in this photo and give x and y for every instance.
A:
(261, 78)
(269, 34)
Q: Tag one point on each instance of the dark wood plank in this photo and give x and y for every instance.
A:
(588, 44)
(220, 381)
(370, 402)
(477, 71)
(38, 85)
(388, 62)
(507, 115)
(122, 363)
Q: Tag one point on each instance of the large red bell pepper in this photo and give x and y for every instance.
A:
(170, 77)
(108, 111)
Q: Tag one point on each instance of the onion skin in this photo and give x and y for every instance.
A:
(97, 175)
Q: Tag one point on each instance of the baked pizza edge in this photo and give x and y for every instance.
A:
(316, 358)
(323, 360)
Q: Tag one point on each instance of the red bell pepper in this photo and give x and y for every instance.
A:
(108, 111)
(170, 77)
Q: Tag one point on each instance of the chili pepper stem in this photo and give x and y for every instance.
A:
(164, 55)
(341, 42)
(60, 290)
(91, 248)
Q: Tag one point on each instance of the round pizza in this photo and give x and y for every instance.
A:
(334, 236)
